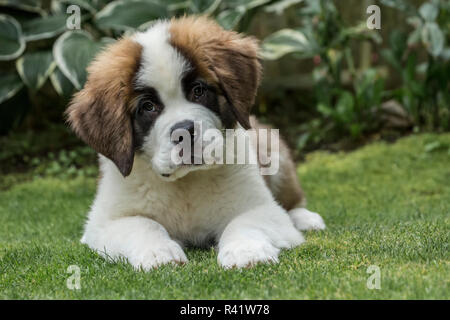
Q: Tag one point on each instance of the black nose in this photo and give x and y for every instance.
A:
(187, 125)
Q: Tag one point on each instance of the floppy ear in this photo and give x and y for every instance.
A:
(224, 57)
(100, 114)
(238, 70)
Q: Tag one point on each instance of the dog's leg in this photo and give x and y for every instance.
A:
(142, 241)
(285, 187)
(257, 236)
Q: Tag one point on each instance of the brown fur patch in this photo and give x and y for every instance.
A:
(284, 185)
(100, 114)
(223, 57)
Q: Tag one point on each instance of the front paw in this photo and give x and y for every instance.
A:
(158, 254)
(247, 253)
(304, 219)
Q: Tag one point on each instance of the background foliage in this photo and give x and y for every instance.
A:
(330, 82)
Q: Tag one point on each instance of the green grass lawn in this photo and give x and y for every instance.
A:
(386, 205)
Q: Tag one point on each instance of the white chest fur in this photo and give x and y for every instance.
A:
(192, 209)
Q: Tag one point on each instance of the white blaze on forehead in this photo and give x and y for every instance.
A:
(162, 66)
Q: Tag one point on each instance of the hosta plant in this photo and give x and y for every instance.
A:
(52, 42)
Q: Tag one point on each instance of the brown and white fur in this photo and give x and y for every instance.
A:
(146, 208)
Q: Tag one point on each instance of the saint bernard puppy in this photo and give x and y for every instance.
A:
(147, 209)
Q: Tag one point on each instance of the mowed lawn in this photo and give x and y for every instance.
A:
(386, 205)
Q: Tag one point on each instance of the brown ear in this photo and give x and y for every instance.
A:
(238, 70)
(100, 114)
(225, 57)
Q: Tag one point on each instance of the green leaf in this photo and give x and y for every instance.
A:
(10, 84)
(85, 4)
(25, 5)
(12, 43)
(433, 38)
(429, 11)
(355, 129)
(361, 30)
(62, 85)
(312, 8)
(414, 37)
(398, 43)
(325, 109)
(280, 6)
(34, 68)
(283, 42)
(446, 54)
(390, 57)
(73, 51)
(178, 5)
(402, 5)
(414, 21)
(303, 140)
(229, 19)
(13, 110)
(123, 15)
(204, 6)
(143, 27)
(345, 106)
(246, 4)
(44, 28)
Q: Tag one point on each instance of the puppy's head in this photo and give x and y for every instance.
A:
(179, 74)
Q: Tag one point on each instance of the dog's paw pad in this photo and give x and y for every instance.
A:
(304, 219)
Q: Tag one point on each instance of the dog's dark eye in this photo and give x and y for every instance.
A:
(148, 106)
(198, 91)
